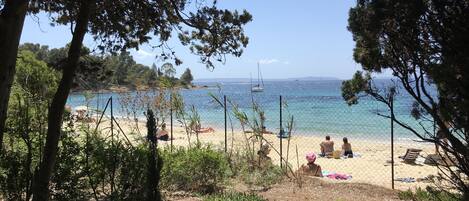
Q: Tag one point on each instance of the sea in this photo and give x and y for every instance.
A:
(312, 107)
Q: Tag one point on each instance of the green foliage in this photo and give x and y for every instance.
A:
(68, 183)
(33, 87)
(422, 44)
(98, 72)
(208, 31)
(198, 169)
(168, 70)
(248, 170)
(186, 77)
(109, 163)
(33, 77)
(351, 89)
(16, 171)
(155, 162)
(428, 195)
(233, 196)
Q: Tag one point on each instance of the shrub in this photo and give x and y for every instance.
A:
(125, 166)
(253, 175)
(234, 197)
(198, 169)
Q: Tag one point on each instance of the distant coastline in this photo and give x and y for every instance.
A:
(125, 89)
(202, 80)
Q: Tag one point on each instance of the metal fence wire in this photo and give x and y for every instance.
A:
(294, 125)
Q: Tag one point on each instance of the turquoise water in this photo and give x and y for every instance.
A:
(316, 106)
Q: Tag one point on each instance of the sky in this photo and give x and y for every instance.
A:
(289, 39)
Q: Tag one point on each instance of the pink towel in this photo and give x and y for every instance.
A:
(339, 176)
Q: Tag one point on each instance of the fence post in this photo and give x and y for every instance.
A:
(392, 142)
(226, 134)
(280, 133)
(171, 119)
(112, 148)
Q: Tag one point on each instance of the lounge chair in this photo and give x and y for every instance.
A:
(411, 155)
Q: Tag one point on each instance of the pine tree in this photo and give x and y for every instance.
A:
(186, 77)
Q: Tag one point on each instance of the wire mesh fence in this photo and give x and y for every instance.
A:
(292, 126)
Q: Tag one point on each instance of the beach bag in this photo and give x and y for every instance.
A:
(336, 154)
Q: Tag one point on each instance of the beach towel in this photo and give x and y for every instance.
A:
(336, 176)
(405, 179)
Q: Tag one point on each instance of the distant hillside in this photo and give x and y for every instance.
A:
(223, 80)
(311, 78)
(249, 80)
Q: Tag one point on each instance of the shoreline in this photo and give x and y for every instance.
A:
(312, 133)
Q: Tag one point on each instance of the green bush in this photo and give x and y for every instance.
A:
(197, 169)
(253, 175)
(125, 166)
(233, 197)
(429, 194)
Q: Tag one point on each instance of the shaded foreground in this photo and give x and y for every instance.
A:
(316, 189)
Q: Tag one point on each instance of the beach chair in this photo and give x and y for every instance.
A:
(411, 155)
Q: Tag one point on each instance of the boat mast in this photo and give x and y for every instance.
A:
(262, 80)
(258, 75)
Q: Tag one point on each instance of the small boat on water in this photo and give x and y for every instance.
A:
(258, 87)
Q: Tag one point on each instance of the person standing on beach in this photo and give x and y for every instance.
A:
(327, 147)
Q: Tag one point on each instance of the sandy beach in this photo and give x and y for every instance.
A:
(370, 167)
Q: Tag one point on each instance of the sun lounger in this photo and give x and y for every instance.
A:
(411, 155)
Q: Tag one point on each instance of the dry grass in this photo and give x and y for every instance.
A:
(315, 189)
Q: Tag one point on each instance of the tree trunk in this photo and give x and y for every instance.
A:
(11, 25)
(56, 110)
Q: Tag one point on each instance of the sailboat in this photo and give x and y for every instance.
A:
(258, 87)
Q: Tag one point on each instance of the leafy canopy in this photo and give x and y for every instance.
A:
(423, 43)
(209, 32)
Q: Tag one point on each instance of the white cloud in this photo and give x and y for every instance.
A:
(142, 54)
(271, 61)
(268, 61)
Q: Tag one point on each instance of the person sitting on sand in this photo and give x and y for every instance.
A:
(311, 168)
(265, 131)
(263, 155)
(162, 134)
(264, 151)
(347, 148)
(327, 147)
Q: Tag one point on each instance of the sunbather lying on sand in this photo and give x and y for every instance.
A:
(199, 129)
(206, 130)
